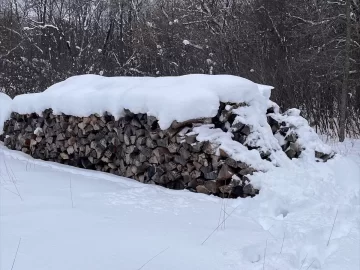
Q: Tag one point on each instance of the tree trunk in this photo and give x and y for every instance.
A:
(345, 86)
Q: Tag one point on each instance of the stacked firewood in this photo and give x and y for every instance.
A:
(134, 146)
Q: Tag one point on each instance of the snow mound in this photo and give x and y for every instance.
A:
(167, 98)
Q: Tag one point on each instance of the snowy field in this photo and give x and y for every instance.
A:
(61, 218)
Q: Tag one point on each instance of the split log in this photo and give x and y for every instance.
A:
(190, 139)
(140, 133)
(150, 143)
(127, 139)
(175, 124)
(210, 175)
(197, 146)
(173, 148)
(225, 172)
(163, 142)
(247, 171)
(185, 154)
(203, 189)
(180, 160)
(170, 166)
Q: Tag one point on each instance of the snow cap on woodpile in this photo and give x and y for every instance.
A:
(167, 98)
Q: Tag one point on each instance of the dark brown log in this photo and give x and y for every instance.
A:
(186, 177)
(105, 159)
(154, 135)
(225, 172)
(70, 150)
(122, 167)
(246, 130)
(150, 143)
(197, 146)
(171, 132)
(163, 142)
(103, 143)
(185, 154)
(153, 160)
(112, 165)
(249, 189)
(128, 160)
(237, 127)
(202, 159)
(62, 155)
(146, 151)
(164, 179)
(210, 175)
(197, 165)
(49, 140)
(86, 163)
(160, 159)
(132, 139)
(226, 189)
(180, 160)
(140, 141)
(129, 172)
(139, 169)
(142, 157)
(247, 171)
(118, 130)
(195, 174)
(242, 165)
(127, 139)
(160, 151)
(136, 123)
(173, 175)
(60, 137)
(292, 137)
(176, 124)
(206, 169)
(215, 161)
(193, 183)
(202, 189)
(180, 139)
(211, 186)
(108, 154)
(168, 157)
(231, 162)
(209, 148)
(170, 166)
(190, 139)
(128, 131)
(173, 148)
(151, 120)
(139, 133)
(82, 125)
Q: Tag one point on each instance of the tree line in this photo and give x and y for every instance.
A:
(308, 50)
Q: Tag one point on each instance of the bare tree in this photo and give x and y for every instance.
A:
(345, 86)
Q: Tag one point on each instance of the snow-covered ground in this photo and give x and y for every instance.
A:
(349, 148)
(57, 217)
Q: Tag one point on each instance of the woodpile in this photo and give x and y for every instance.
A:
(287, 136)
(135, 147)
